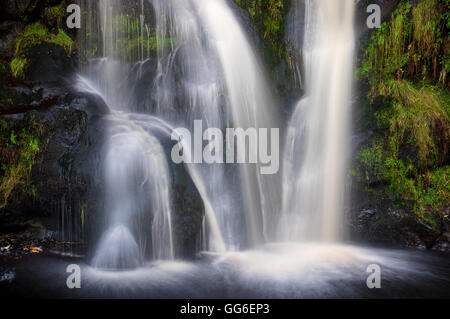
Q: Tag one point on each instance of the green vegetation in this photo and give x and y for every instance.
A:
(18, 67)
(55, 15)
(32, 35)
(19, 146)
(416, 47)
(63, 40)
(410, 107)
(268, 18)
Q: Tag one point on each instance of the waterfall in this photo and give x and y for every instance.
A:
(188, 87)
(137, 195)
(211, 64)
(205, 69)
(318, 132)
(251, 106)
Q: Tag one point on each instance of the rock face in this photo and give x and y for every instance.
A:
(69, 182)
(374, 218)
(67, 175)
(50, 63)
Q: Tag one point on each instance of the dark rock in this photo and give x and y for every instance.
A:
(92, 104)
(141, 84)
(49, 62)
(7, 38)
(189, 211)
(373, 219)
(14, 9)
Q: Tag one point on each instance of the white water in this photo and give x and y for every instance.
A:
(138, 201)
(318, 133)
(251, 106)
(212, 63)
(207, 70)
(187, 71)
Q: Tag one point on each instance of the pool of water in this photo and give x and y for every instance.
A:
(273, 271)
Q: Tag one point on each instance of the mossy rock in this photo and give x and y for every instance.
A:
(49, 63)
(41, 55)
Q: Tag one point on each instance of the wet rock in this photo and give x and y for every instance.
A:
(373, 219)
(92, 104)
(7, 276)
(143, 88)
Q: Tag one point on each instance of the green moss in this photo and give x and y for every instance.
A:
(387, 53)
(268, 18)
(371, 166)
(32, 35)
(63, 40)
(412, 43)
(403, 67)
(411, 144)
(17, 66)
(19, 145)
(418, 118)
(55, 15)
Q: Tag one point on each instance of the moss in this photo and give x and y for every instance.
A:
(268, 18)
(18, 67)
(410, 149)
(33, 35)
(417, 117)
(19, 145)
(63, 40)
(387, 53)
(371, 167)
(55, 15)
(410, 109)
(412, 43)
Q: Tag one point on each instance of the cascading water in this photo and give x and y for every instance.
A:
(206, 70)
(137, 181)
(251, 106)
(138, 203)
(214, 67)
(188, 88)
(318, 133)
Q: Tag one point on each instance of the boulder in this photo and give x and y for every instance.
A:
(49, 63)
